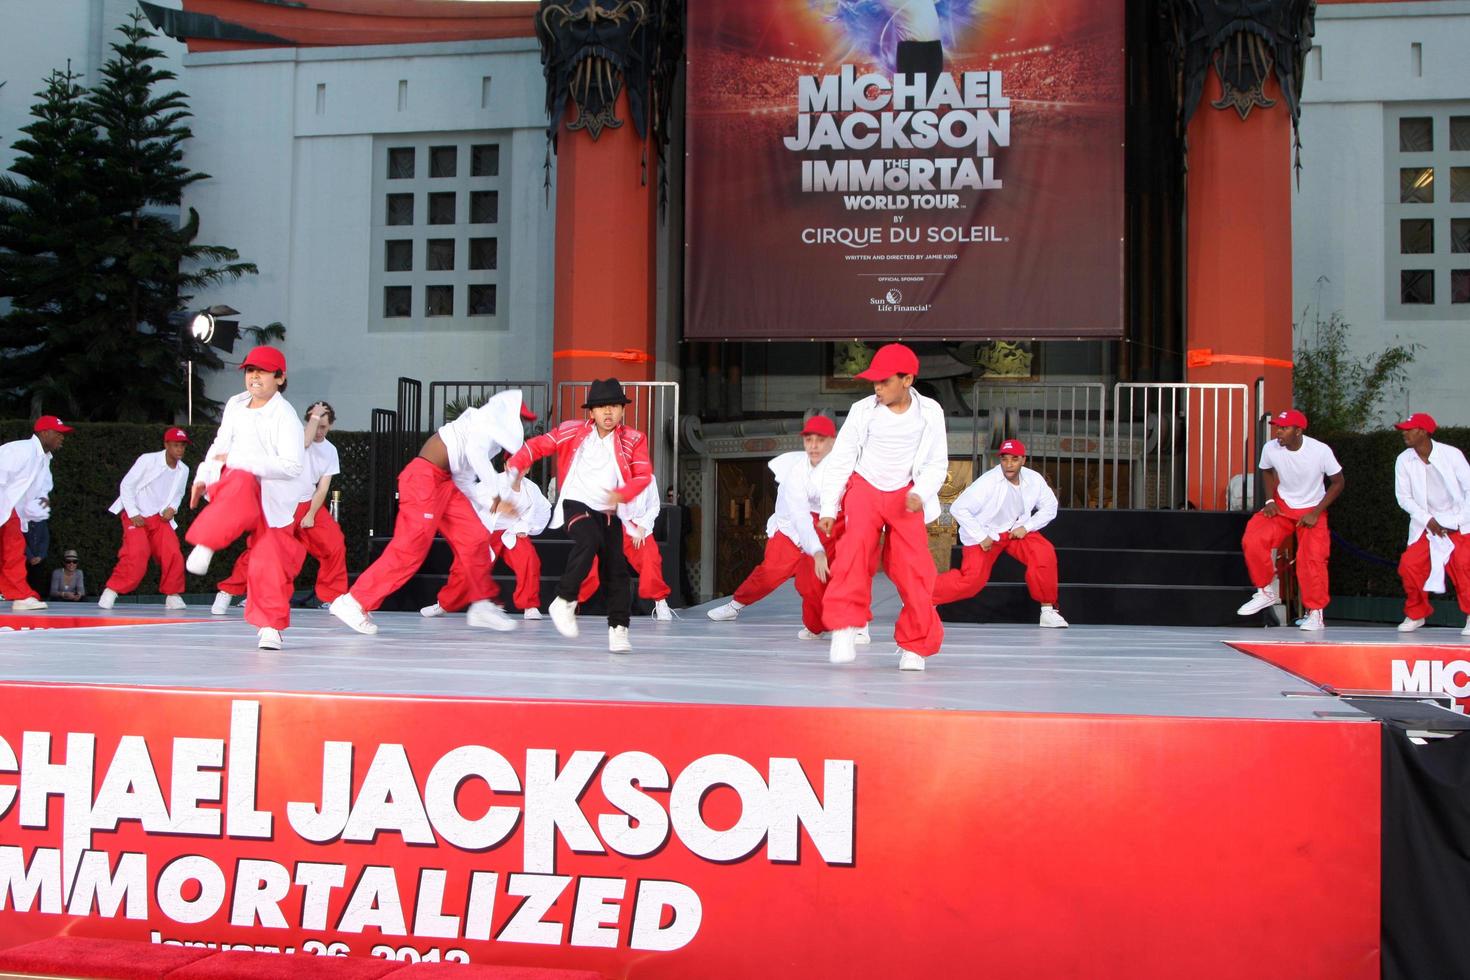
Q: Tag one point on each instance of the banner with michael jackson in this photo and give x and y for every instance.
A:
(904, 168)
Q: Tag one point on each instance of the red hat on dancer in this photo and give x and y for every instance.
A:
(176, 434)
(1419, 420)
(891, 359)
(819, 425)
(1290, 417)
(266, 358)
(1012, 447)
(50, 423)
(527, 414)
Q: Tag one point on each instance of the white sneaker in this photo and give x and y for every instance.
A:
(863, 636)
(1052, 619)
(1313, 623)
(429, 612)
(26, 605)
(1410, 624)
(269, 639)
(843, 649)
(806, 634)
(1263, 599)
(563, 616)
(487, 615)
(171, 602)
(347, 609)
(909, 660)
(532, 613)
(221, 604)
(725, 613)
(617, 640)
(198, 561)
(662, 612)
(107, 599)
(1466, 630)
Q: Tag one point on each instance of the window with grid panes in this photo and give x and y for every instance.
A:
(1428, 211)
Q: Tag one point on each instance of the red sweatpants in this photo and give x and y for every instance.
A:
(1414, 569)
(1033, 551)
(323, 541)
(13, 584)
(1313, 546)
(156, 539)
(429, 502)
(782, 560)
(522, 560)
(645, 562)
(906, 558)
(276, 554)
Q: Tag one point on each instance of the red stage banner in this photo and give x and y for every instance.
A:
(1415, 668)
(681, 840)
(945, 169)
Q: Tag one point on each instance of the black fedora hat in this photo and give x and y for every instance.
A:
(607, 391)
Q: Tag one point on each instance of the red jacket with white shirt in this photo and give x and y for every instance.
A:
(630, 449)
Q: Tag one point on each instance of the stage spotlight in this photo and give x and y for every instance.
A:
(202, 327)
(207, 327)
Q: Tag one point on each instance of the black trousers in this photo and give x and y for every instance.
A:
(921, 58)
(600, 536)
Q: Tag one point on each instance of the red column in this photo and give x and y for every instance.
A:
(604, 297)
(1238, 269)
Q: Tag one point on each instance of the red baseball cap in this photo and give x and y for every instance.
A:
(176, 434)
(266, 358)
(1419, 420)
(1012, 447)
(1290, 417)
(819, 425)
(50, 423)
(891, 359)
(526, 413)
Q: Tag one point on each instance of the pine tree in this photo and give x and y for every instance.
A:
(127, 265)
(49, 219)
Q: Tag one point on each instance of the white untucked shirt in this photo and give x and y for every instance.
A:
(478, 435)
(268, 442)
(21, 465)
(1301, 473)
(151, 486)
(594, 473)
(887, 461)
(993, 506)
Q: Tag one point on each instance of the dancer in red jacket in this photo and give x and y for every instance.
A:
(600, 463)
(148, 499)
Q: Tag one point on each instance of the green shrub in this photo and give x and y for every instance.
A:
(89, 467)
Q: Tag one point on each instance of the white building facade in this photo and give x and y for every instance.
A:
(1381, 221)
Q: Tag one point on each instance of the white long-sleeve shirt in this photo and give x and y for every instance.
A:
(992, 506)
(639, 514)
(268, 442)
(37, 505)
(798, 496)
(151, 486)
(928, 464)
(1411, 487)
(21, 464)
(532, 509)
(480, 434)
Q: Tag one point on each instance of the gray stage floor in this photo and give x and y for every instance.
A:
(756, 660)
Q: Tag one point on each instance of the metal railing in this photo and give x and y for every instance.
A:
(1064, 428)
(382, 470)
(653, 409)
(410, 401)
(1176, 446)
(468, 394)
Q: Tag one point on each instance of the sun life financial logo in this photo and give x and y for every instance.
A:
(892, 302)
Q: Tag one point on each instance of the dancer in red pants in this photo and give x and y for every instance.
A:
(794, 545)
(432, 498)
(1432, 484)
(148, 499)
(24, 466)
(1293, 467)
(641, 551)
(253, 472)
(1002, 513)
(511, 517)
(887, 465)
(319, 530)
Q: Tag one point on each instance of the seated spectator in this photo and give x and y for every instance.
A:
(67, 582)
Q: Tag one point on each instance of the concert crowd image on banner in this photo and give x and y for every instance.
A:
(904, 168)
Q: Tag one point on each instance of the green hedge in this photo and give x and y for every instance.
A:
(90, 466)
(1367, 517)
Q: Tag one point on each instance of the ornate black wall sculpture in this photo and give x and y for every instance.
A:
(1246, 42)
